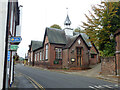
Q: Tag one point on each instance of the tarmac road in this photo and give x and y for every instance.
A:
(50, 79)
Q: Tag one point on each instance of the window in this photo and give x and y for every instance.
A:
(37, 56)
(92, 55)
(58, 53)
(40, 55)
(46, 51)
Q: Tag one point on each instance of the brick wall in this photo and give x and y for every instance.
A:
(108, 65)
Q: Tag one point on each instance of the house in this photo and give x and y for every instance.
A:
(10, 32)
(64, 49)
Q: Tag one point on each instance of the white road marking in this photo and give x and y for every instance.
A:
(91, 87)
(107, 86)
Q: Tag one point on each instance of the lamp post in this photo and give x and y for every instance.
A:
(111, 38)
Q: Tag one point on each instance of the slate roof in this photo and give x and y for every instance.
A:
(55, 36)
(35, 45)
(71, 40)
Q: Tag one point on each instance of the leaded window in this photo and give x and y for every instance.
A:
(58, 53)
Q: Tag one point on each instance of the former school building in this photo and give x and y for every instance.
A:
(63, 49)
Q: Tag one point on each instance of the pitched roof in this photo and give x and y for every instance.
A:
(55, 36)
(36, 44)
(72, 39)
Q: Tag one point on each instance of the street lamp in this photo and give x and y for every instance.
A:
(111, 36)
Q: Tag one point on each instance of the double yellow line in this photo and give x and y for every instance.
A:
(35, 84)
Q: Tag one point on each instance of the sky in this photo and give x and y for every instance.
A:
(39, 14)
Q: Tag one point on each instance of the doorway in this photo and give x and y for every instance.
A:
(79, 56)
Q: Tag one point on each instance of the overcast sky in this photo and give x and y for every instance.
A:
(39, 14)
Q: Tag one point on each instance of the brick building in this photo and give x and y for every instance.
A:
(64, 49)
(117, 38)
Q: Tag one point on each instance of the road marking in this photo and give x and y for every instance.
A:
(102, 86)
(41, 87)
(36, 85)
(91, 87)
(107, 86)
(99, 86)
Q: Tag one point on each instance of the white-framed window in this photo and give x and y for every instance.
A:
(58, 53)
(37, 56)
(46, 51)
(40, 55)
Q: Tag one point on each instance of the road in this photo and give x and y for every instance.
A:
(51, 79)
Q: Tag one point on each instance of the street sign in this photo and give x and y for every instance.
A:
(8, 57)
(15, 39)
(14, 47)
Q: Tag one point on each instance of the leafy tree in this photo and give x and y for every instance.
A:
(78, 29)
(56, 26)
(101, 24)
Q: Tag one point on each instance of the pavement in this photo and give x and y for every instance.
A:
(22, 81)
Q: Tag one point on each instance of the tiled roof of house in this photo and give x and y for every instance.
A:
(36, 44)
(56, 36)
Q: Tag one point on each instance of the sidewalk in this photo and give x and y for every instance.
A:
(21, 82)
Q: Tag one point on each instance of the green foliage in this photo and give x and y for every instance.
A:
(101, 24)
(56, 26)
(79, 30)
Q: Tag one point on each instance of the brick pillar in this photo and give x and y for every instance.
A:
(117, 38)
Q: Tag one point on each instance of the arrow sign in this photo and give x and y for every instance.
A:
(15, 39)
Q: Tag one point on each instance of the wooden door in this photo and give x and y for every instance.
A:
(79, 56)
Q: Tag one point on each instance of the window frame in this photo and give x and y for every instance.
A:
(58, 53)
(46, 51)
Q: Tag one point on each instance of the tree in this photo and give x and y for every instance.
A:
(101, 24)
(79, 30)
(56, 26)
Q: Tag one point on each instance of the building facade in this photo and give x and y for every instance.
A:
(11, 27)
(117, 39)
(64, 49)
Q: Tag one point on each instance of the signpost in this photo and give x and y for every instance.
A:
(15, 39)
(14, 47)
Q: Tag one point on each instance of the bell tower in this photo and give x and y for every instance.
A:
(67, 23)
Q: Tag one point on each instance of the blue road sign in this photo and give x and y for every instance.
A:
(8, 57)
(15, 39)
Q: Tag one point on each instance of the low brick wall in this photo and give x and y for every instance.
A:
(108, 65)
